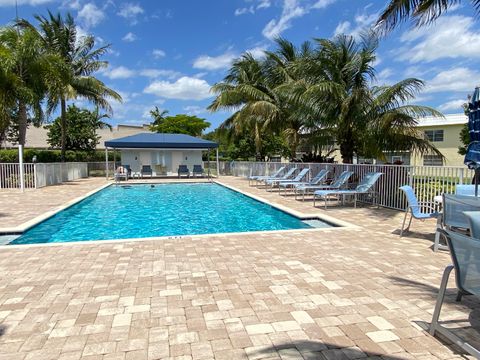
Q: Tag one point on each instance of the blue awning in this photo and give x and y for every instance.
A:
(160, 141)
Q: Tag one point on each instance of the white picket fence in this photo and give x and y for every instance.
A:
(428, 181)
(40, 174)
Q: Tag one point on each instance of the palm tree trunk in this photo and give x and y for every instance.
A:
(346, 150)
(63, 126)
(22, 122)
(294, 145)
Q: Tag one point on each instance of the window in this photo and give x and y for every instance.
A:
(397, 159)
(432, 160)
(434, 135)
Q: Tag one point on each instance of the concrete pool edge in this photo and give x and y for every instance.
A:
(48, 214)
(336, 223)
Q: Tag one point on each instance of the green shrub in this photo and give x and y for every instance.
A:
(49, 156)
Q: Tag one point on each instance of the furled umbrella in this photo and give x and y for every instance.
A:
(472, 157)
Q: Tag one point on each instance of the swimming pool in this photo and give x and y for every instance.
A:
(139, 211)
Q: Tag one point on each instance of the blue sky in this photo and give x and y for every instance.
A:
(168, 53)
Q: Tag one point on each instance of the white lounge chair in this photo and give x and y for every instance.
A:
(338, 184)
(318, 179)
(300, 176)
(364, 187)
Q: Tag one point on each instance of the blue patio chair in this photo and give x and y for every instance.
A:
(318, 179)
(339, 183)
(415, 208)
(364, 187)
(146, 170)
(300, 176)
(473, 218)
(258, 178)
(197, 170)
(465, 253)
(183, 170)
(287, 176)
(453, 217)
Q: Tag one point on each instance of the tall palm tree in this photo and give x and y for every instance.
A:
(22, 69)
(420, 11)
(254, 88)
(364, 120)
(81, 60)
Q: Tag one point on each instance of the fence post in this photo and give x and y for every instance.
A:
(460, 180)
(35, 175)
(21, 169)
(411, 174)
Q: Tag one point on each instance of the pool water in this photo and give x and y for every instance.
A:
(139, 211)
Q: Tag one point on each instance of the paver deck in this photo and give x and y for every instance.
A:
(334, 294)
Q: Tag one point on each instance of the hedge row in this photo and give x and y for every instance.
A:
(48, 156)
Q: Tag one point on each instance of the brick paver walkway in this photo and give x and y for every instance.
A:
(335, 294)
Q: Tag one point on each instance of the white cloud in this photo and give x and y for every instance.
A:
(24, 2)
(450, 37)
(129, 37)
(130, 11)
(120, 72)
(222, 61)
(459, 79)
(383, 77)
(264, 4)
(90, 15)
(260, 4)
(322, 4)
(453, 105)
(155, 73)
(257, 52)
(361, 22)
(291, 10)
(245, 10)
(194, 110)
(185, 88)
(157, 53)
(343, 27)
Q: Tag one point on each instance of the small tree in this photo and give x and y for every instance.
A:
(82, 126)
(178, 124)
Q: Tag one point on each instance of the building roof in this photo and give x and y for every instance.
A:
(449, 119)
(160, 141)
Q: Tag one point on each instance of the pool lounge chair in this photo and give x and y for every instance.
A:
(415, 208)
(364, 187)
(259, 178)
(465, 253)
(183, 170)
(146, 170)
(287, 176)
(197, 170)
(318, 179)
(299, 177)
(338, 184)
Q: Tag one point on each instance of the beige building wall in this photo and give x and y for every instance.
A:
(451, 126)
(37, 137)
(448, 147)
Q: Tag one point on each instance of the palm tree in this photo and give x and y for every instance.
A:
(158, 116)
(22, 69)
(254, 87)
(80, 61)
(420, 11)
(364, 120)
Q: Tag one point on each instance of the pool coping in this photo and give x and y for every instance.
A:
(338, 224)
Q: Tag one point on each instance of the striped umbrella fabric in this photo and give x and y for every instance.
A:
(472, 157)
